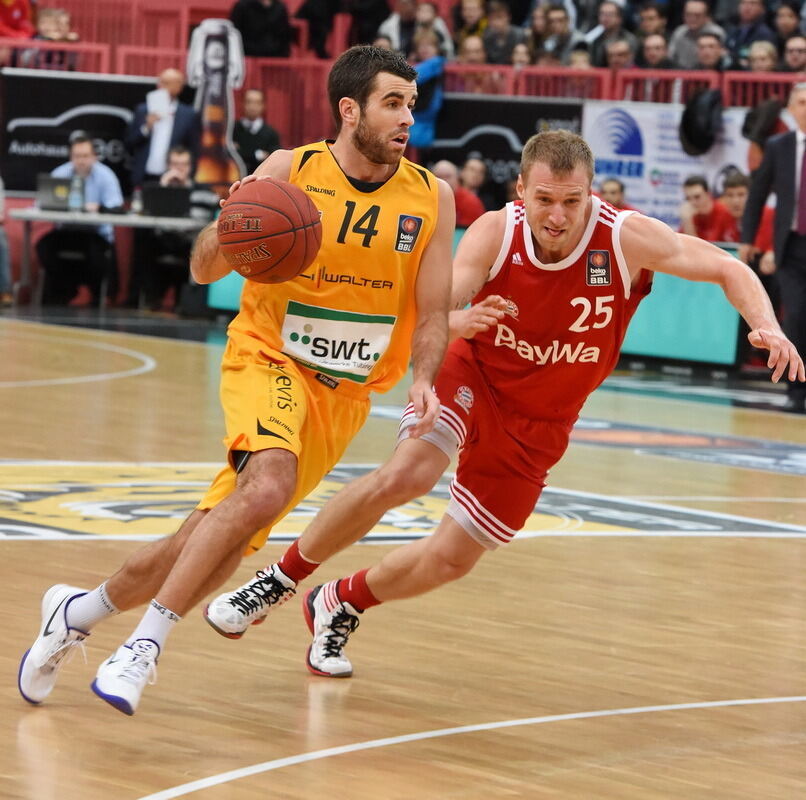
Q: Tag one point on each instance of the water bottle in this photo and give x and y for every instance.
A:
(137, 201)
(75, 197)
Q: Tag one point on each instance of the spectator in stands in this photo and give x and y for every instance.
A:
(787, 22)
(735, 191)
(468, 206)
(367, 17)
(428, 20)
(473, 176)
(50, 28)
(521, 57)
(164, 256)
(254, 138)
(795, 54)
(430, 66)
(471, 21)
(319, 16)
(6, 297)
(16, 19)
(652, 20)
(580, 57)
(619, 55)
(561, 38)
(711, 53)
(703, 216)
(384, 42)
(151, 135)
(95, 244)
(400, 26)
(264, 27)
(472, 53)
(751, 28)
(783, 156)
(763, 57)
(655, 53)
(501, 35)
(611, 19)
(536, 33)
(611, 190)
(683, 44)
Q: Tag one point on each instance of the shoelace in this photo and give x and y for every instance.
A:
(65, 652)
(266, 591)
(138, 668)
(341, 626)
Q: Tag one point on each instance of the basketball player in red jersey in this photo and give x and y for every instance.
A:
(559, 273)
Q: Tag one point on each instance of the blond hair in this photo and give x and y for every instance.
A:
(561, 151)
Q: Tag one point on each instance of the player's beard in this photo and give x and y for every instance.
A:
(373, 147)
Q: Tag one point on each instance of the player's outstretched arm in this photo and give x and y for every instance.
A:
(650, 244)
(207, 264)
(432, 294)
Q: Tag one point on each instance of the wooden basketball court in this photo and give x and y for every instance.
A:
(646, 640)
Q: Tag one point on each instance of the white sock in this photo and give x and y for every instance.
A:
(155, 625)
(87, 610)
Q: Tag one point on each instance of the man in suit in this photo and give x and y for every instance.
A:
(254, 139)
(783, 171)
(151, 135)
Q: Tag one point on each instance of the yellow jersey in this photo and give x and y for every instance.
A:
(351, 315)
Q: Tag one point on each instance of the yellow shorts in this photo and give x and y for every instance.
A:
(271, 401)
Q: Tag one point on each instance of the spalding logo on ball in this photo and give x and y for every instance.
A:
(269, 231)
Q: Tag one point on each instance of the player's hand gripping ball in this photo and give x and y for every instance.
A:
(269, 231)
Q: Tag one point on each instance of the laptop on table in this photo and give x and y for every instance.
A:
(166, 201)
(52, 194)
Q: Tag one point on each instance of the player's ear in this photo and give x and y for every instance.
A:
(519, 187)
(349, 110)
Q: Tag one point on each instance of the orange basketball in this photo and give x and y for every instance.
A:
(269, 231)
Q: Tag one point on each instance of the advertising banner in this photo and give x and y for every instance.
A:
(638, 143)
(39, 109)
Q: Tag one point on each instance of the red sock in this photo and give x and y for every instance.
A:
(354, 590)
(295, 565)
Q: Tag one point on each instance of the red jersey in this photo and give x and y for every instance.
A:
(718, 225)
(565, 322)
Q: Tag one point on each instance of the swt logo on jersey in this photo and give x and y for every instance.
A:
(408, 229)
(547, 354)
(598, 271)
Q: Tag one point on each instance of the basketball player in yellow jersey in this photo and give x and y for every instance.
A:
(301, 361)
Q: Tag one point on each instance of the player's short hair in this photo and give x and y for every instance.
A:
(353, 75)
(735, 180)
(562, 151)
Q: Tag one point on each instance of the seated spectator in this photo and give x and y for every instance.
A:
(787, 22)
(15, 19)
(473, 176)
(683, 44)
(367, 17)
(561, 38)
(711, 53)
(580, 58)
(472, 53)
(619, 55)
(94, 244)
(264, 27)
(611, 21)
(254, 139)
(430, 66)
(703, 216)
(49, 28)
(762, 56)
(611, 190)
(6, 297)
(501, 35)
(468, 206)
(400, 26)
(750, 28)
(165, 255)
(536, 32)
(428, 20)
(319, 16)
(469, 21)
(655, 53)
(652, 20)
(521, 57)
(795, 54)
(384, 42)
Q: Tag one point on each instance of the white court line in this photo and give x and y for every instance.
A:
(713, 498)
(147, 364)
(316, 755)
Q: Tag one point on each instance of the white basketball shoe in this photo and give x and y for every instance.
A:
(233, 612)
(40, 665)
(331, 622)
(120, 680)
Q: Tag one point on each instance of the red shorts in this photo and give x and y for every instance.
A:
(503, 458)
